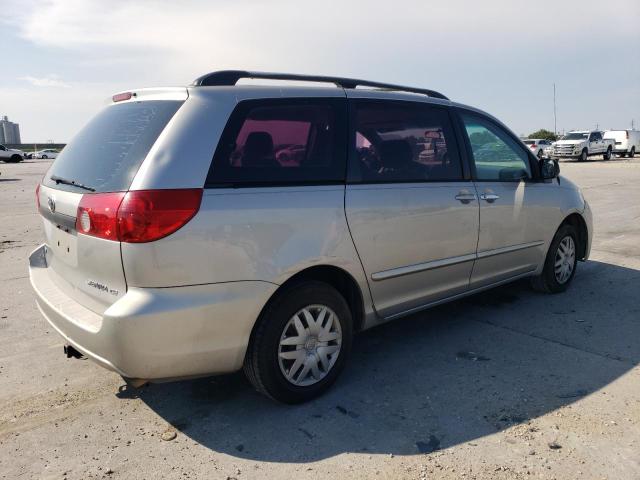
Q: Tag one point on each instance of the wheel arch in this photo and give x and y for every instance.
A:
(339, 279)
(578, 222)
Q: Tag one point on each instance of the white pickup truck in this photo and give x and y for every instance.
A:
(10, 155)
(583, 144)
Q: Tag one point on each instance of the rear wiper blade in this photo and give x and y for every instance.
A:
(65, 181)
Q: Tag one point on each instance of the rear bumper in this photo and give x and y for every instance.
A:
(157, 333)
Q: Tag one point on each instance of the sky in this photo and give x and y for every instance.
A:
(62, 59)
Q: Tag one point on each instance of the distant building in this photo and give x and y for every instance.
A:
(9, 132)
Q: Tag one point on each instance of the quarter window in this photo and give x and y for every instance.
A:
(496, 155)
(404, 143)
(276, 142)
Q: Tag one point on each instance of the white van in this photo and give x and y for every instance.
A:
(627, 141)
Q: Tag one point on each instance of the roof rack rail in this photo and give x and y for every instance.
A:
(231, 77)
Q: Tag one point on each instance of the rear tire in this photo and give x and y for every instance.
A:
(44, 157)
(583, 155)
(607, 155)
(292, 359)
(632, 153)
(560, 263)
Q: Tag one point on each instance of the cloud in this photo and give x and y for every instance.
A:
(46, 81)
(497, 55)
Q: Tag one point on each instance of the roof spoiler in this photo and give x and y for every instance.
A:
(231, 77)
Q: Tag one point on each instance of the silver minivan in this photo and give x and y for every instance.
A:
(201, 230)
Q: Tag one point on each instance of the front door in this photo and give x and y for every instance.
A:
(514, 213)
(412, 214)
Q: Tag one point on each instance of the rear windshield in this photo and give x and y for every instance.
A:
(529, 142)
(575, 136)
(106, 154)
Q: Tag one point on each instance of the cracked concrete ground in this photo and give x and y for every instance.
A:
(508, 384)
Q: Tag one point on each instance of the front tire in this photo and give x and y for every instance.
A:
(44, 157)
(300, 344)
(560, 263)
(14, 159)
(583, 155)
(632, 152)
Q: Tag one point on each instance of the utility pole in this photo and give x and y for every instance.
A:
(632, 127)
(555, 121)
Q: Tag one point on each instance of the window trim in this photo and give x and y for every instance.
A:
(237, 117)
(353, 170)
(533, 162)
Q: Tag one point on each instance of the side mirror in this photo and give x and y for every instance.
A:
(549, 168)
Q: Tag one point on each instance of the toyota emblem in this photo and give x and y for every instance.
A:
(52, 204)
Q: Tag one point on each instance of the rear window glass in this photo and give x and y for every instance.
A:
(106, 154)
(404, 143)
(281, 142)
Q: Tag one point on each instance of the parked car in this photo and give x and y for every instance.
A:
(627, 142)
(538, 146)
(583, 144)
(159, 269)
(10, 155)
(47, 153)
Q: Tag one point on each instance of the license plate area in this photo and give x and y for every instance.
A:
(64, 246)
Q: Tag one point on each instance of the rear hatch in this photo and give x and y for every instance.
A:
(103, 157)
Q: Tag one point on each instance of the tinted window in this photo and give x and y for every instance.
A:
(575, 136)
(281, 142)
(404, 143)
(108, 151)
(497, 156)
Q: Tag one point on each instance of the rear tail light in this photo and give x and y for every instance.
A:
(98, 215)
(533, 145)
(147, 215)
(136, 216)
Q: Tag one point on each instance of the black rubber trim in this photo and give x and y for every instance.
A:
(60, 220)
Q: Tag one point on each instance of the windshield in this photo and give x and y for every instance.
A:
(106, 154)
(575, 136)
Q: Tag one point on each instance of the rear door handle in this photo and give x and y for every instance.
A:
(465, 197)
(489, 197)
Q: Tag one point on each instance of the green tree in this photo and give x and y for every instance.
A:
(481, 138)
(544, 134)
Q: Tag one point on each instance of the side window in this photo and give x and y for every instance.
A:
(496, 155)
(2, 148)
(597, 136)
(404, 143)
(281, 142)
